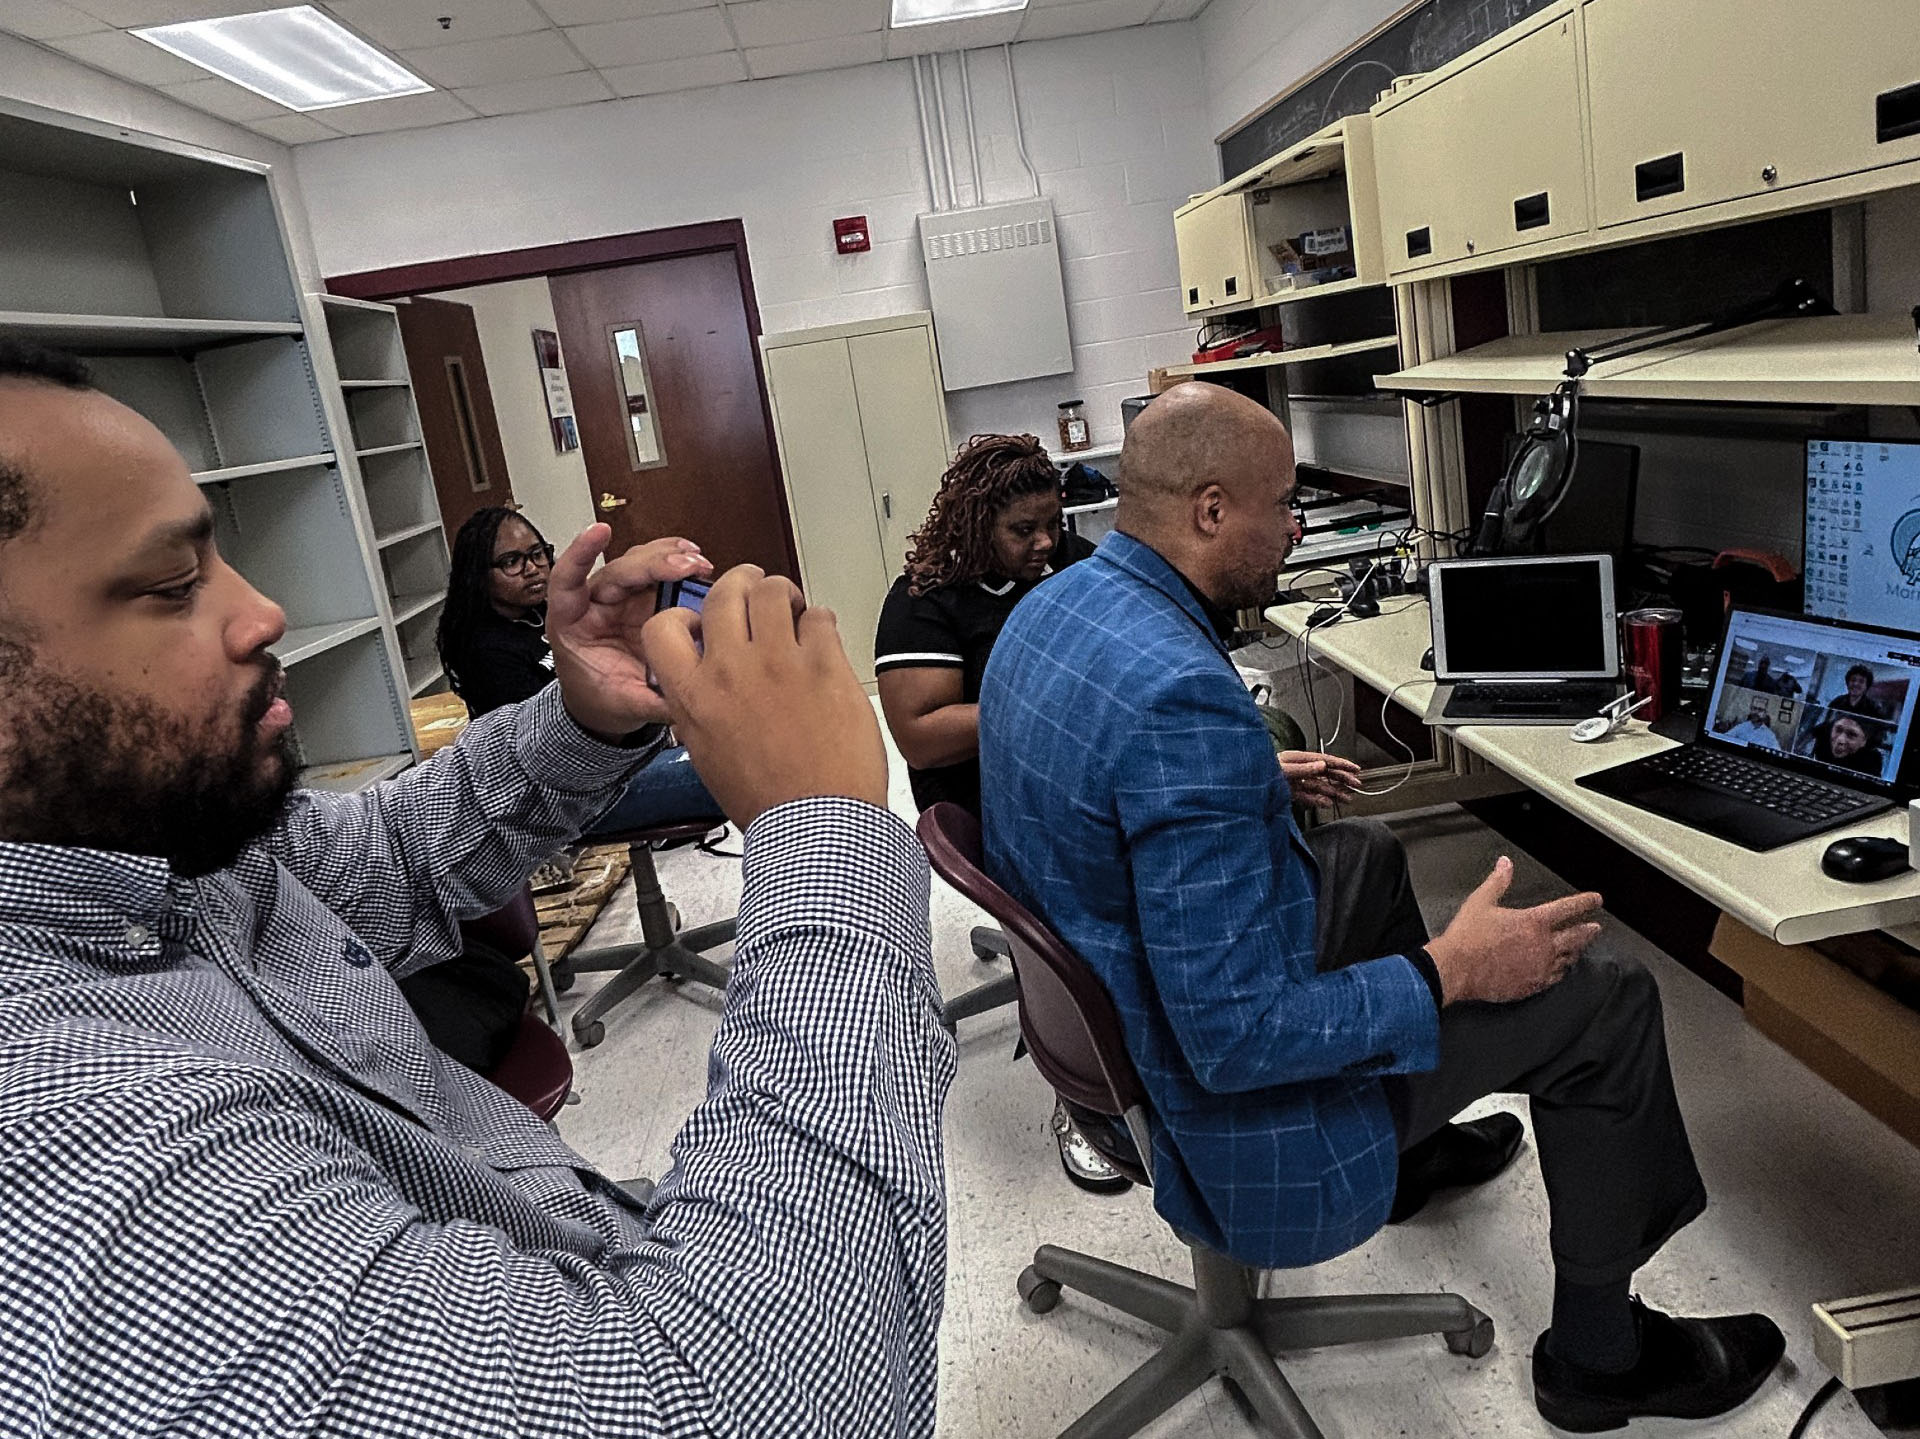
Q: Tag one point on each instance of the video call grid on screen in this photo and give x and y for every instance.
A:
(1844, 699)
(1863, 532)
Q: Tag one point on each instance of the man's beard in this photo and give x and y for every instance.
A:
(96, 771)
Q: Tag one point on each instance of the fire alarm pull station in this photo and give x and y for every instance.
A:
(850, 235)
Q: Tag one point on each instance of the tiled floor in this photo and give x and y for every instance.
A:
(1811, 1199)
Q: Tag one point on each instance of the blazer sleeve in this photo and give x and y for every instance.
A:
(1229, 931)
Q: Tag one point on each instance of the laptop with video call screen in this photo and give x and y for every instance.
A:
(1807, 727)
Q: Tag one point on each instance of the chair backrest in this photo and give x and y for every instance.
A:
(537, 1070)
(512, 929)
(1069, 1021)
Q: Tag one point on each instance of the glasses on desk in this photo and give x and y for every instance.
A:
(515, 562)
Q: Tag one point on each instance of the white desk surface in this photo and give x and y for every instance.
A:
(1781, 893)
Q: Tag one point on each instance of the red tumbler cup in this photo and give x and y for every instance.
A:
(1654, 648)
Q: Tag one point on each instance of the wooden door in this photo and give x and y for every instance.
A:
(455, 401)
(679, 431)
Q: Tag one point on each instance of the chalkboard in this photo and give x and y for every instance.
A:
(1425, 38)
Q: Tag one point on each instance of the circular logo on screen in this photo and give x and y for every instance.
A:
(1906, 545)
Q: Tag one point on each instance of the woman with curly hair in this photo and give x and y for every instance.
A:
(992, 535)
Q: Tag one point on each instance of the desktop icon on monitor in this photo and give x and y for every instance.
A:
(1863, 532)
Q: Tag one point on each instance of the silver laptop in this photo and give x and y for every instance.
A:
(1531, 639)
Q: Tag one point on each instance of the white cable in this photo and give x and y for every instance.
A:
(1019, 129)
(946, 144)
(973, 140)
(1413, 760)
(926, 136)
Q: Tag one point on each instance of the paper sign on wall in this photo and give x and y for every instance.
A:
(553, 380)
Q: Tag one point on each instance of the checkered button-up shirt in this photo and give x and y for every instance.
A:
(241, 1195)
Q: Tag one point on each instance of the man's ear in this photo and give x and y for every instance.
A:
(1210, 510)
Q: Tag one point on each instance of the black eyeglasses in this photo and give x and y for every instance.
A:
(515, 562)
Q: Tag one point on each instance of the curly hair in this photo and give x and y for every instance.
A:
(469, 597)
(956, 542)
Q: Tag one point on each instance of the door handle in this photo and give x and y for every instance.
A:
(886, 503)
(610, 501)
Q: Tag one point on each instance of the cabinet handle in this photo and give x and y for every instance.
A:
(1897, 113)
(1768, 174)
(1233, 284)
(1419, 242)
(1665, 176)
(1530, 212)
(1193, 295)
(886, 503)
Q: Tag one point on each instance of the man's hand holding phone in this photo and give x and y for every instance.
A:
(761, 694)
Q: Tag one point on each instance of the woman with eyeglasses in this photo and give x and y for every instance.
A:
(493, 643)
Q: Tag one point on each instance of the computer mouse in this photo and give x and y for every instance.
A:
(1863, 858)
(1426, 660)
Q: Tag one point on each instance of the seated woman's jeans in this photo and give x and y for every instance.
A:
(667, 791)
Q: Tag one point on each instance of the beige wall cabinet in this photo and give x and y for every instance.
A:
(1216, 253)
(1714, 100)
(1487, 158)
(859, 413)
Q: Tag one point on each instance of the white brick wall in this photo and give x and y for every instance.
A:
(1115, 125)
(1254, 49)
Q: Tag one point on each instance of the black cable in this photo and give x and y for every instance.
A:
(1825, 1392)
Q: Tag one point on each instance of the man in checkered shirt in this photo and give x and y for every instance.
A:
(239, 1192)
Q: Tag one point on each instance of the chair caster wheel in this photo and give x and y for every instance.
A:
(1474, 1342)
(986, 956)
(562, 978)
(1040, 1295)
(591, 1034)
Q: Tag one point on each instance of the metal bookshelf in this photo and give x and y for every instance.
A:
(167, 270)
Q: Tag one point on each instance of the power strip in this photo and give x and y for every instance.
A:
(1871, 1340)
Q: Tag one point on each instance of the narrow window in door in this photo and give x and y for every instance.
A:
(469, 432)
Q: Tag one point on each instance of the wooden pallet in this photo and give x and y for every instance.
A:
(567, 914)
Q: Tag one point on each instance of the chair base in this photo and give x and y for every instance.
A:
(988, 944)
(1219, 1328)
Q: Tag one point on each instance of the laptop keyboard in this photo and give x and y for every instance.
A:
(1556, 695)
(1781, 791)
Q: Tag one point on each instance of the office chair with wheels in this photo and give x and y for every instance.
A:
(664, 949)
(514, 930)
(1216, 1326)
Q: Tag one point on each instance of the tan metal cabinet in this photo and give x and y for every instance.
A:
(1487, 156)
(1216, 252)
(1714, 100)
(860, 416)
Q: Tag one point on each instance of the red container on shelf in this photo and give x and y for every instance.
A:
(1652, 646)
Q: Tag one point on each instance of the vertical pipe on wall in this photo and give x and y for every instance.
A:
(1019, 128)
(946, 144)
(926, 137)
(973, 140)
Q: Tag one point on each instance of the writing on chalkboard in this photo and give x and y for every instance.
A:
(1425, 38)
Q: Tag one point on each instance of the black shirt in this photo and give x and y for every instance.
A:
(505, 661)
(953, 627)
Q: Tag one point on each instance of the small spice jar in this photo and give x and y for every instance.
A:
(1075, 434)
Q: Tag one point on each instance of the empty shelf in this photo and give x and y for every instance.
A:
(1820, 360)
(424, 676)
(266, 467)
(410, 532)
(347, 302)
(136, 332)
(354, 774)
(310, 640)
(1313, 292)
(388, 449)
(411, 607)
(374, 384)
(1288, 357)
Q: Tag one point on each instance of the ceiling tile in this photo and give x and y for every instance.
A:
(1084, 19)
(293, 129)
(495, 62)
(129, 57)
(653, 37)
(551, 92)
(415, 24)
(788, 22)
(814, 55)
(46, 19)
(659, 78)
(974, 33)
(407, 112)
(126, 14)
(596, 12)
(228, 101)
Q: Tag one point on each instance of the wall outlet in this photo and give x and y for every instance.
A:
(1874, 1339)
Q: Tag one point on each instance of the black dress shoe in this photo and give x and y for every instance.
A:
(1457, 1156)
(1687, 1369)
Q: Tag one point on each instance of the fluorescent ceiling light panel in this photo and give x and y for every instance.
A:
(931, 12)
(296, 57)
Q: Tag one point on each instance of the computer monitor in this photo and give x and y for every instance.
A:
(1597, 514)
(1524, 617)
(1863, 532)
(1832, 698)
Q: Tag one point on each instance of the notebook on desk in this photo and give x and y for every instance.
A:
(1809, 728)
(1526, 640)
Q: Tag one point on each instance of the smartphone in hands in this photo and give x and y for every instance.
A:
(680, 594)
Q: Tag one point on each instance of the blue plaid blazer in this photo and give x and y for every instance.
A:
(1130, 798)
